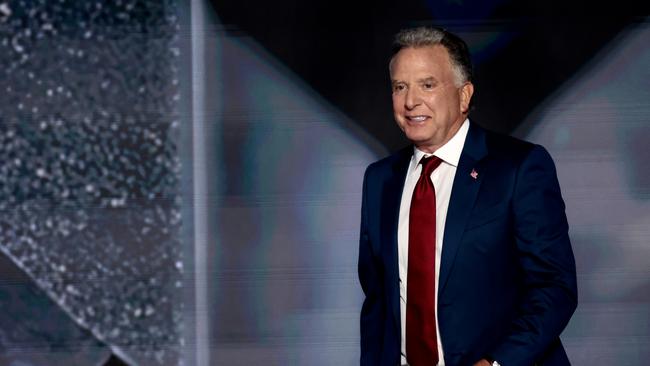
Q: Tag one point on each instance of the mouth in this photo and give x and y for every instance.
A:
(416, 118)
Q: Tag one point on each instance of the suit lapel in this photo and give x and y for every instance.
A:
(392, 196)
(463, 195)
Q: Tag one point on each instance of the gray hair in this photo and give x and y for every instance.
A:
(459, 55)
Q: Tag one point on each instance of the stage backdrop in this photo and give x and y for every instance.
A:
(176, 189)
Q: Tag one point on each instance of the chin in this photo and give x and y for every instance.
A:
(417, 137)
(420, 144)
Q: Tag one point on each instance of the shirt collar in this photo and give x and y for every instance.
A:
(449, 152)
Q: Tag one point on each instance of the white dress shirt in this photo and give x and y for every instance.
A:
(443, 180)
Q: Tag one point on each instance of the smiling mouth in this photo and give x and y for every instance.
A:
(416, 119)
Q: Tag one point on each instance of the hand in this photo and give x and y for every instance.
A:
(483, 362)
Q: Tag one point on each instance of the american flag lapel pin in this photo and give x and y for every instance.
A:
(474, 174)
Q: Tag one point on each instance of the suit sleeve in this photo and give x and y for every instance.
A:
(546, 258)
(372, 311)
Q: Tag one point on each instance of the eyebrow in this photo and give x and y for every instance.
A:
(423, 80)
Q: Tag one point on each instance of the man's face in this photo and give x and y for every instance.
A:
(427, 103)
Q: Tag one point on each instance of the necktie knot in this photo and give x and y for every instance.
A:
(429, 164)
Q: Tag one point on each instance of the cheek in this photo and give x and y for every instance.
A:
(444, 104)
(433, 102)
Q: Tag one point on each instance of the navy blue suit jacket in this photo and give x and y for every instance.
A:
(507, 285)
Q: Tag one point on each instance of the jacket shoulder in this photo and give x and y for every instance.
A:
(513, 149)
(508, 151)
(388, 163)
(507, 145)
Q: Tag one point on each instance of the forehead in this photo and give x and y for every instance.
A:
(432, 60)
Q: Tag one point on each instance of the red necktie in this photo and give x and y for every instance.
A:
(421, 335)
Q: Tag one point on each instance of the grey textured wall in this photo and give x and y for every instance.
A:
(89, 170)
(596, 128)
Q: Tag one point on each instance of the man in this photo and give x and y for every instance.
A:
(464, 257)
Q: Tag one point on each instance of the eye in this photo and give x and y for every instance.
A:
(398, 88)
(427, 86)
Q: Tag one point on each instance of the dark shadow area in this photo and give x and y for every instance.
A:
(115, 361)
(522, 52)
(35, 331)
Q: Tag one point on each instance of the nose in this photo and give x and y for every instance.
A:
(412, 99)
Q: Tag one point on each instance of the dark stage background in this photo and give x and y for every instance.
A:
(181, 180)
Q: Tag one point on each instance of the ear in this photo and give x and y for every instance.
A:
(466, 91)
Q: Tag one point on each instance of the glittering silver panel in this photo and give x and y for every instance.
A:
(89, 165)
